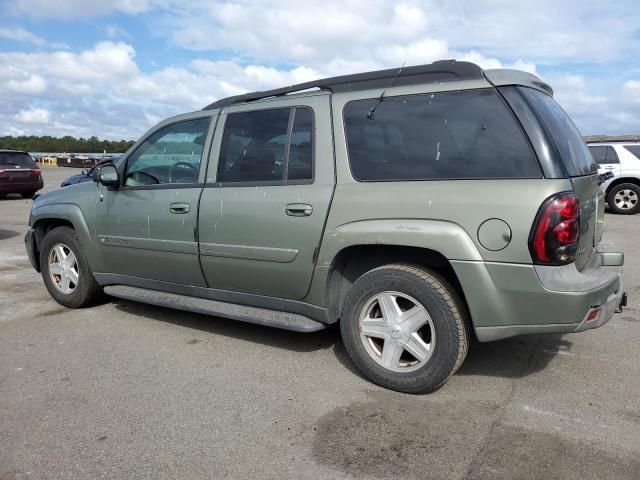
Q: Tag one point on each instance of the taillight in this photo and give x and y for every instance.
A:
(555, 233)
(37, 171)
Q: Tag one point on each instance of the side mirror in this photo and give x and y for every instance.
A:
(106, 175)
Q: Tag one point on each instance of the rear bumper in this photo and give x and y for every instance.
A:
(506, 300)
(15, 187)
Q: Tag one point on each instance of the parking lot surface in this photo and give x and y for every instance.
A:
(126, 390)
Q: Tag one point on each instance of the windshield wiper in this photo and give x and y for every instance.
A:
(372, 111)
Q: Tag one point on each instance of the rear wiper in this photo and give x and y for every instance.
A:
(372, 111)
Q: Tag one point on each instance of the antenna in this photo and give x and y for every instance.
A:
(372, 112)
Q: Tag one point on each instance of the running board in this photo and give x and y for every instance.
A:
(260, 316)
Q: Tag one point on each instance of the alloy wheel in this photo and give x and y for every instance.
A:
(63, 268)
(397, 331)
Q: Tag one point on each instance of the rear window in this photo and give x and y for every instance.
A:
(18, 159)
(453, 135)
(635, 149)
(572, 149)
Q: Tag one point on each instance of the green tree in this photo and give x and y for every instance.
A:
(66, 144)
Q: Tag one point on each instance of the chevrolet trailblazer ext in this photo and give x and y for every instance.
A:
(415, 207)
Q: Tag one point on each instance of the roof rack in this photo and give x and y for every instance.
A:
(440, 71)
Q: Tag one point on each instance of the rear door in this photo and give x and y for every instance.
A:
(606, 158)
(267, 195)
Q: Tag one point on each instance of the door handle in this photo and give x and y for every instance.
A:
(179, 208)
(298, 210)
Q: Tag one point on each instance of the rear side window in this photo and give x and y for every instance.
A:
(267, 146)
(454, 135)
(635, 149)
(603, 154)
(17, 159)
(571, 147)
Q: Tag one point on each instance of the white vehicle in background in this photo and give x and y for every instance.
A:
(622, 191)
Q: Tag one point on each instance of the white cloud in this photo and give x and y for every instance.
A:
(259, 44)
(36, 116)
(32, 85)
(22, 35)
(66, 9)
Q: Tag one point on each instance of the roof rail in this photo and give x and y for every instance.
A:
(440, 71)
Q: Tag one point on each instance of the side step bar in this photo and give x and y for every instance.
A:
(260, 316)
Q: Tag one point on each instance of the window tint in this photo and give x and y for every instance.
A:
(603, 154)
(599, 153)
(17, 159)
(300, 166)
(170, 155)
(635, 149)
(468, 134)
(612, 156)
(253, 146)
(573, 151)
(256, 146)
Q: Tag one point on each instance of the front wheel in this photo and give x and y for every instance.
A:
(65, 269)
(404, 328)
(624, 198)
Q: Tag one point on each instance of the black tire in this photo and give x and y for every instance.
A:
(443, 305)
(87, 291)
(28, 194)
(631, 208)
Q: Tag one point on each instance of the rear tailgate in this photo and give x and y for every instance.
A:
(591, 203)
(12, 174)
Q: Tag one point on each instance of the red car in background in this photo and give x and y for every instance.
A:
(19, 174)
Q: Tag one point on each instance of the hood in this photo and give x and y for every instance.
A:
(76, 194)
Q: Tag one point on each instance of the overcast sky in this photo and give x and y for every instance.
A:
(113, 68)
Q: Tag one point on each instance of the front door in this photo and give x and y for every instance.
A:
(147, 227)
(264, 207)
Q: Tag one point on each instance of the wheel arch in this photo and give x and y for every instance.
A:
(48, 217)
(352, 262)
(619, 181)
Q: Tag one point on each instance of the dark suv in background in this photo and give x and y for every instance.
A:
(19, 174)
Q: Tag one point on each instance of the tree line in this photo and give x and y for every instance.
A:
(65, 144)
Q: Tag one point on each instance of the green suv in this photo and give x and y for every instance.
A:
(417, 207)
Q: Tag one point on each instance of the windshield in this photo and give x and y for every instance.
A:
(18, 159)
(573, 150)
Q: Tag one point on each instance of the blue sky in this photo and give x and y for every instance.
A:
(113, 68)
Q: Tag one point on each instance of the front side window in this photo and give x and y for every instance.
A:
(172, 155)
(267, 146)
(453, 135)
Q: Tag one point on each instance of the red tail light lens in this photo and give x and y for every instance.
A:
(37, 171)
(556, 231)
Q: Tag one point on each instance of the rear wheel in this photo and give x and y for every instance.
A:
(624, 198)
(404, 328)
(28, 194)
(65, 270)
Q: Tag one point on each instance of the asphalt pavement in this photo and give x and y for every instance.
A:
(125, 390)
